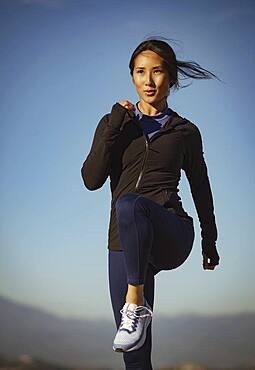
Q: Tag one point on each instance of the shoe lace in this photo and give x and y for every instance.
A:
(130, 318)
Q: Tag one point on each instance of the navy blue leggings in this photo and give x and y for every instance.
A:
(152, 239)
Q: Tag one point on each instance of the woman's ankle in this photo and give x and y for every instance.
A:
(137, 300)
(135, 294)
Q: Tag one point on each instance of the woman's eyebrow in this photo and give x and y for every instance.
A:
(152, 68)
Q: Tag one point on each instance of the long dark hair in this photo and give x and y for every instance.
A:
(188, 69)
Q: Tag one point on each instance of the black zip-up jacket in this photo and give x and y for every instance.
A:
(151, 167)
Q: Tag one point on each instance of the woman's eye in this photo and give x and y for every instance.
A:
(157, 70)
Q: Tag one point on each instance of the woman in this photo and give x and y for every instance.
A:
(142, 148)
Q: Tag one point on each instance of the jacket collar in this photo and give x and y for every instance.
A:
(174, 120)
(166, 112)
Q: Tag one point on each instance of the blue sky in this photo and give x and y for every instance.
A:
(64, 64)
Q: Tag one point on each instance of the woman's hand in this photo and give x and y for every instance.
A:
(206, 264)
(126, 104)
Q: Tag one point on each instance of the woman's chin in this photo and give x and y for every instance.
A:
(151, 99)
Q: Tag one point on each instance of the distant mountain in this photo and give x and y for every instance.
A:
(25, 362)
(215, 341)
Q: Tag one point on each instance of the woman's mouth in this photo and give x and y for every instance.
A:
(150, 92)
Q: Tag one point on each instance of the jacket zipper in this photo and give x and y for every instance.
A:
(144, 160)
(145, 157)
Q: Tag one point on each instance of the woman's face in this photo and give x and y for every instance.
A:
(150, 74)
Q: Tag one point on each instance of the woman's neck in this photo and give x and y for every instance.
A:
(150, 110)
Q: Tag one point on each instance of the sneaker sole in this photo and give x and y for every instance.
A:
(117, 349)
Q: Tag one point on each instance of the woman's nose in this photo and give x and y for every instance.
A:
(149, 79)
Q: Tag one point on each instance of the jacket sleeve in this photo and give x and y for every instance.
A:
(96, 167)
(196, 171)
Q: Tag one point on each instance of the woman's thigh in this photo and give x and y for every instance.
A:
(172, 236)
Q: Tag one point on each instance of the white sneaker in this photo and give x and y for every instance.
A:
(131, 334)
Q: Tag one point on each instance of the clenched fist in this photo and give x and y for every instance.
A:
(126, 104)
(209, 265)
